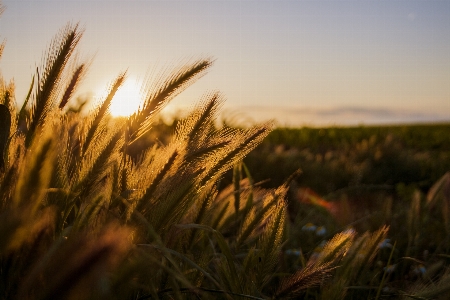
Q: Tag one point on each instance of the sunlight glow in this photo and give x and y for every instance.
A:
(127, 99)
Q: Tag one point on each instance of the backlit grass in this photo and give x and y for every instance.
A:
(96, 207)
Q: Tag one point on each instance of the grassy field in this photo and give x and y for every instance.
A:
(387, 155)
(95, 207)
(363, 178)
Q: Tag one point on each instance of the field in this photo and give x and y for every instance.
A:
(360, 179)
(96, 207)
(363, 178)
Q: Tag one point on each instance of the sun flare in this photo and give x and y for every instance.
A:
(126, 100)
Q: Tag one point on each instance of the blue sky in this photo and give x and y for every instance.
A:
(300, 62)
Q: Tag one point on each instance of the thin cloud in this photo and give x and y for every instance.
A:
(412, 16)
(348, 115)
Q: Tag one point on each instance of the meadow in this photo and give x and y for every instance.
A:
(96, 207)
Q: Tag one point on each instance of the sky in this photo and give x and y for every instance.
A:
(302, 63)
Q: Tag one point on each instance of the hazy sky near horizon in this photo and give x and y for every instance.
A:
(300, 62)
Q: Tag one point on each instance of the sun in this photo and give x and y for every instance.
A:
(127, 99)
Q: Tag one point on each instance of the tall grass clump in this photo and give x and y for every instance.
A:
(89, 209)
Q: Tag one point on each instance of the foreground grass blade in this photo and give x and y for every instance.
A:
(60, 52)
(5, 127)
